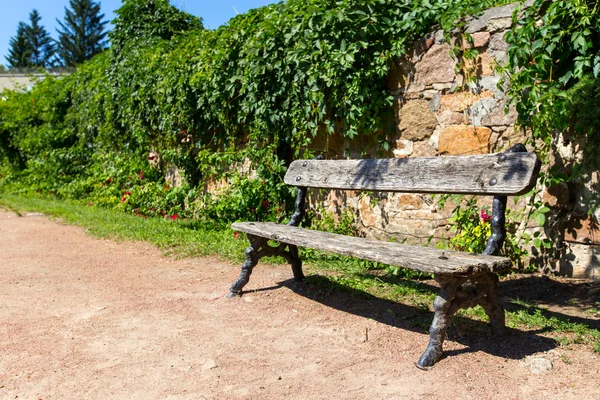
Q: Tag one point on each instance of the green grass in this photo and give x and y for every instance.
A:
(178, 238)
(336, 273)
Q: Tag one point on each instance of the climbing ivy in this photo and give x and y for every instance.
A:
(227, 107)
(553, 69)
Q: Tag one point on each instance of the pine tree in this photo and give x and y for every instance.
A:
(42, 45)
(83, 35)
(19, 54)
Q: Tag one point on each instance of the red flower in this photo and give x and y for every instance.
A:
(265, 203)
(174, 216)
(109, 180)
(485, 217)
(125, 194)
(236, 235)
(141, 174)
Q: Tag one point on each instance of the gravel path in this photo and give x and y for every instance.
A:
(85, 318)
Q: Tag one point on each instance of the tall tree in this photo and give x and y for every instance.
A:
(42, 45)
(82, 35)
(19, 54)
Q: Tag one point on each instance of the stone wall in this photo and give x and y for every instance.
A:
(12, 81)
(439, 112)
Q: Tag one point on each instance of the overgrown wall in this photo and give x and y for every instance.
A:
(444, 109)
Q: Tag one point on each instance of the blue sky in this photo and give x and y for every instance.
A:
(214, 13)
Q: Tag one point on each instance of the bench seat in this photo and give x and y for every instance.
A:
(425, 259)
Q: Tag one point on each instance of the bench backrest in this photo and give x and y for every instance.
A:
(489, 174)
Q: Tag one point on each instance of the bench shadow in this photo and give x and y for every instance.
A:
(473, 334)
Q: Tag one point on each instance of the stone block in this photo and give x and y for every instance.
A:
(581, 261)
(481, 109)
(557, 195)
(502, 12)
(497, 42)
(464, 139)
(499, 117)
(410, 202)
(416, 121)
(434, 103)
(585, 231)
(436, 66)
(449, 117)
(462, 100)
(482, 65)
(499, 24)
(404, 148)
(423, 149)
(488, 83)
(480, 39)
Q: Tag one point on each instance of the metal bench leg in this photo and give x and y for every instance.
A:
(259, 248)
(252, 257)
(491, 303)
(441, 321)
(296, 263)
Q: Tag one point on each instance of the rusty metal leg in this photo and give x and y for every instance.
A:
(491, 303)
(441, 321)
(252, 257)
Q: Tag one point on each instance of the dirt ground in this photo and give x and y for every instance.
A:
(84, 318)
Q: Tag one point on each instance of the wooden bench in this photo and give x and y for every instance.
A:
(465, 279)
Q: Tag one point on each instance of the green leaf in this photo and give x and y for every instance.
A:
(540, 219)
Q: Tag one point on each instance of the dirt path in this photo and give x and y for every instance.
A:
(83, 318)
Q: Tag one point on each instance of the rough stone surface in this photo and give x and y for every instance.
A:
(538, 364)
(464, 139)
(585, 230)
(557, 195)
(404, 148)
(434, 103)
(423, 149)
(481, 109)
(480, 23)
(497, 42)
(498, 117)
(417, 122)
(499, 24)
(481, 39)
(483, 65)
(461, 101)
(436, 66)
(410, 202)
(581, 261)
(449, 117)
(488, 83)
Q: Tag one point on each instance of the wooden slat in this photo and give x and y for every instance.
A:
(424, 259)
(492, 174)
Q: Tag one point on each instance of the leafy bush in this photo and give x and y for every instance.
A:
(251, 95)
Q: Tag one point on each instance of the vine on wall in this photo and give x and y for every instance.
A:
(170, 95)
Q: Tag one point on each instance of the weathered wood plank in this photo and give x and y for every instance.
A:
(424, 259)
(490, 174)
